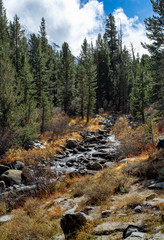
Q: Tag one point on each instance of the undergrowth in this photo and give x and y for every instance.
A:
(99, 188)
(134, 140)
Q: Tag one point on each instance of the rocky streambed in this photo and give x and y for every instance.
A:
(96, 151)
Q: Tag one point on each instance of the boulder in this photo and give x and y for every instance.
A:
(71, 223)
(108, 164)
(94, 166)
(138, 209)
(133, 231)
(151, 196)
(71, 143)
(106, 213)
(3, 169)
(11, 177)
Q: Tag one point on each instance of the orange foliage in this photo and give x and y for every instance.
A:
(52, 148)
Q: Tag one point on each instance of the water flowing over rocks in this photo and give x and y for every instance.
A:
(96, 151)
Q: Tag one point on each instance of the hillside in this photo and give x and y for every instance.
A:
(95, 190)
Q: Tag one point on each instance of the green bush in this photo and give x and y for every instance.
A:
(24, 136)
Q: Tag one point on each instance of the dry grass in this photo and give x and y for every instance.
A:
(3, 208)
(146, 168)
(30, 222)
(131, 200)
(51, 149)
(134, 141)
(54, 212)
(99, 188)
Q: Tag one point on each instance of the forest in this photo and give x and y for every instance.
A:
(36, 81)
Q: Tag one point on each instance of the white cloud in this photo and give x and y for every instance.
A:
(73, 20)
(133, 31)
(66, 20)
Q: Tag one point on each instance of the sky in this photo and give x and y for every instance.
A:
(73, 20)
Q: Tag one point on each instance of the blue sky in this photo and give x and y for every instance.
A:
(141, 8)
(73, 20)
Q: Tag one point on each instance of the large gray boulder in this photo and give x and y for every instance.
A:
(71, 223)
(11, 177)
(3, 168)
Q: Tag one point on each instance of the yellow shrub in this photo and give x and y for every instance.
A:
(133, 141)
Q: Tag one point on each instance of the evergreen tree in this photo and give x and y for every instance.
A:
(113, 44)
(16, 40)
(39, 71)
(155, 32)
(66, 79)
(124, 87)
(86, 59)
(104, 83)
(81, 77)
(141, 89)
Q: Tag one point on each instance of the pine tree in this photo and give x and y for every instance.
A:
(66, 79)
(39, 71)
(86, 59)
(113, 44)
(16, 40)
(81, 77)
(104, 83)
(154, 27)
(141, 89)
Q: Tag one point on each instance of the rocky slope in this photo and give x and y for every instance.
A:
(133, 214)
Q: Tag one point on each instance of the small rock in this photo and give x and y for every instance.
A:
(94, 166)
(159, 185)
(131, 229)
(151, 196)
(106, 213)
(6, 218)
(113, 199)
(71, 143)
(138, 209)
(109, 164)
(87, 209)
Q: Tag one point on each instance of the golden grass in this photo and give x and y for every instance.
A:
(52, 148)
(3, 208)
(100, 187)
